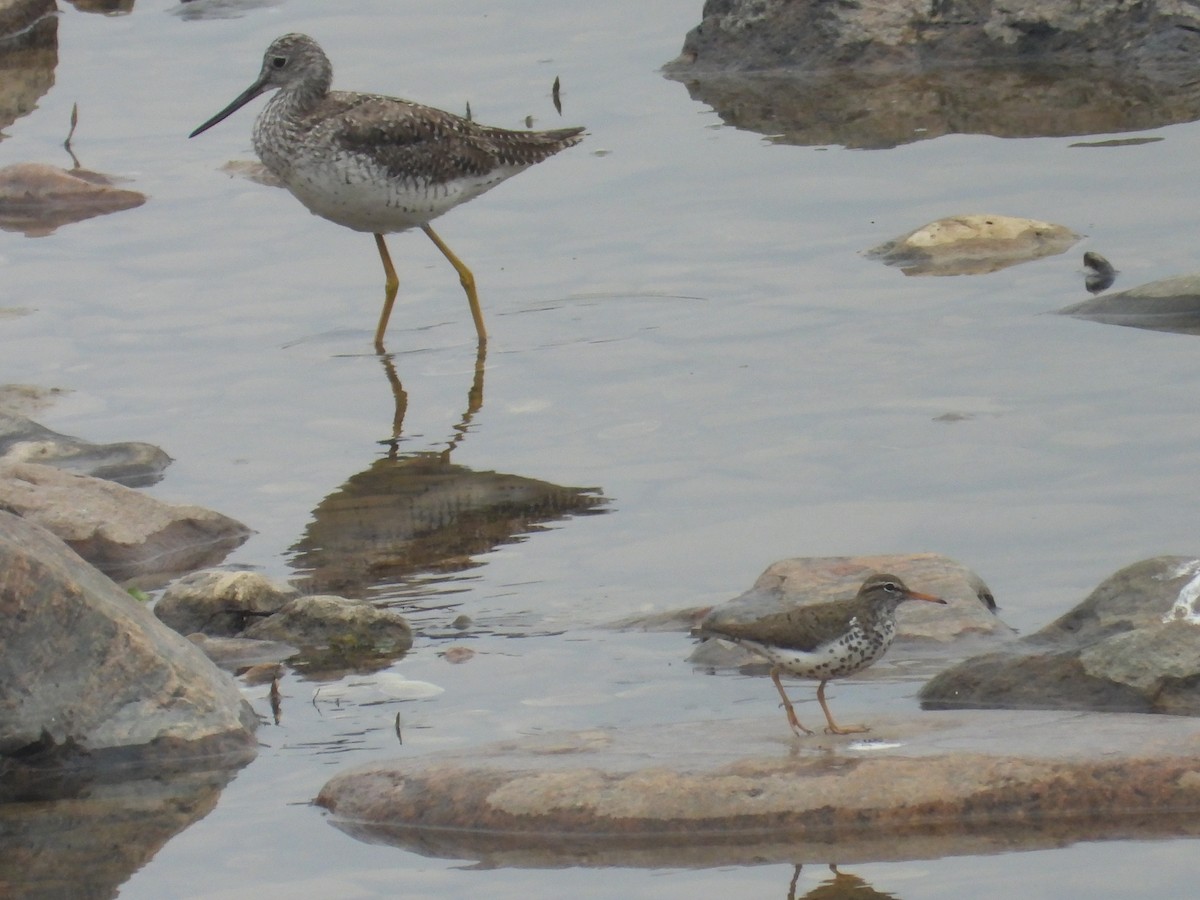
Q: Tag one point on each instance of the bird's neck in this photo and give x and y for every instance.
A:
(300, 99)
(877, 615)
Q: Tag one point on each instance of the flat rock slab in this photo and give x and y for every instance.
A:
(724, 793)
(122, 532)
(131, 463)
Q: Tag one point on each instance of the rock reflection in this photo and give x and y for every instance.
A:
(104, 7)
(418, 512)
(877, 110)
(28, 57)
(35, 198)
(86, 838)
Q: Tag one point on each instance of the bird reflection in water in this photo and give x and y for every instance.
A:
(412, 516)
(842, 886)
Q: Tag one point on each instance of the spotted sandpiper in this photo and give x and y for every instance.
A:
(824, 641)
(379, 164)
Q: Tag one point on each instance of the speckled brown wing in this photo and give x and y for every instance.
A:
(399, 135)
(802, 628)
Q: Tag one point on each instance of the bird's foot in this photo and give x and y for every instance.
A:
(833, 728)
(797, 729)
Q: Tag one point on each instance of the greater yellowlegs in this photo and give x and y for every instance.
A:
(379, 164)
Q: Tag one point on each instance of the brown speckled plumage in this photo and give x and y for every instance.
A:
(823, 641)
(374, 163)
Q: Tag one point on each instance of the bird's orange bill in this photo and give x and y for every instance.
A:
(917, 595)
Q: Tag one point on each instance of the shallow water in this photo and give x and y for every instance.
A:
(680, 315)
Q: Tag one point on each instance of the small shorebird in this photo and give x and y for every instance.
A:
(378, 164)
(824, 641)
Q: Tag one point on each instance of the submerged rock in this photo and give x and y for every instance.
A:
(323, 621)
(21, 400)
(218, 603)
(240, 654)
(1132, 646)
(37, 199)
(328, 632)
(1171, 304)
(973, 245)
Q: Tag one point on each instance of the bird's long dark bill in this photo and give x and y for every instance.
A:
(242, 99)
(917, 595)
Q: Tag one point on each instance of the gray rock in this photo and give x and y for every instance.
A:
(219, 603)
(87, 671)
(332, 633)
(1133, 645)
(124, 533)
(1171, 304)
(793, 582)
(322, 621)
(736, 793)
(871, 75)
(131, 463)
(1158, 36)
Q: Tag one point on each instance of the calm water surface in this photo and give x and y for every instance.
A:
(680, 315)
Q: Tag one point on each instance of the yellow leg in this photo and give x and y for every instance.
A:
(391, 286)
(797, 728)
(465, 277)
(834, 728)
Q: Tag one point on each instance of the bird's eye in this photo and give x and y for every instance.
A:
(890, 587)
(279, 62)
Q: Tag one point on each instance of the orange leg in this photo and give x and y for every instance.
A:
(834, 728)
(465, 278)
(797, 728)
